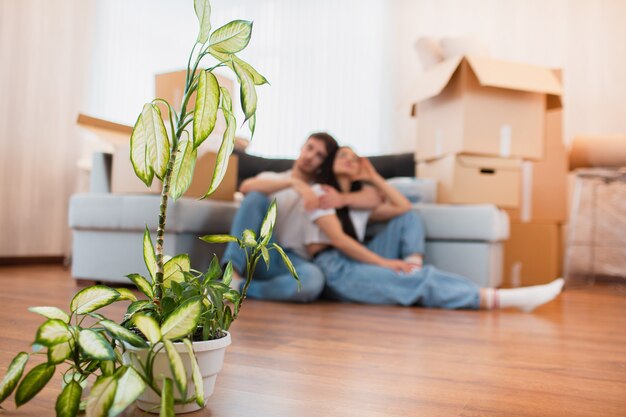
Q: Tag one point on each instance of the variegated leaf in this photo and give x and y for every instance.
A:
(203, 12)
(93, 298)
(101, 396)
(177, 367)
(13, 375)
(247, 90)
(183, 320)
(52, 332)
(223, 155)
(195, 374)
(232, 37)
(51, 313)
(182, 172)
(148, 326)
(174, 268)
(129, 387)
(95, 346)
(205, 112)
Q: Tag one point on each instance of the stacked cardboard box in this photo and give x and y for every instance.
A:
(490, 132)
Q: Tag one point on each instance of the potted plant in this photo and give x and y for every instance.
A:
(166, 352)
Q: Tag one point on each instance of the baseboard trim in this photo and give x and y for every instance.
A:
(32, 260)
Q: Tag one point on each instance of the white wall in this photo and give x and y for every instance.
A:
(324, 60)
(584, 37)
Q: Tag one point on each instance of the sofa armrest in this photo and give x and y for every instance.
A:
(100, 177)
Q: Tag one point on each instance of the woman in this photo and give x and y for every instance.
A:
(388, 269)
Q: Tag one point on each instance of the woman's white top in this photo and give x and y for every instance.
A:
(315, 235)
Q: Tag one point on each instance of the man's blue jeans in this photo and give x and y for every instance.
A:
(275, 282)
(350, 280)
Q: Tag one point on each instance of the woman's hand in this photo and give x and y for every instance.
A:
(397, 265)
(368, 172)
(331, 198)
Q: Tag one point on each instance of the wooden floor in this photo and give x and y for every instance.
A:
(328, 359)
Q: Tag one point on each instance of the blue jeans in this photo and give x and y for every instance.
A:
(276, 282)
(350, 280)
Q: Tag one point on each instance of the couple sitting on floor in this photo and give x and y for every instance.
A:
(324, 204)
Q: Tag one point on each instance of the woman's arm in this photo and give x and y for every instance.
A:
(366, 198)
(395, 203)
(331, 227)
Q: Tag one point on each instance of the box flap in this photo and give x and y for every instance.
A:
(432, 82)
(484, 162)
(516, 76)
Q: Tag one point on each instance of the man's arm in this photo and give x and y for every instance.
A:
(265, 185)
(366, 198)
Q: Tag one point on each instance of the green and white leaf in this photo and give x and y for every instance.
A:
(33, 382)
(150, 146)
(167, 399)
(69, 400)
(266, 256)
(177, 367)
(126, 294)
(203, 12)
(218, 238)
(51, 313)
(58, 353)
(174, 268)
(148, 255)
(107, 367)
(13, 375)
(148, 326)
(267, 226)
(287, 262)
(142, 284)
(248, 238)
(228, 274)
(93, 298)
(226, 100)
(95, 346)
(182, 172)
(252, 125)
(247, 90)
(183, 320)
(205, 112)
(123, 334)
(101, 396)
(226, 149)
(52, 332)
(230, 59)
(129, 387)
(232, 37)
(195, 374)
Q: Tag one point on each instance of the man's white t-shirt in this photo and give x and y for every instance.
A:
(291, 218)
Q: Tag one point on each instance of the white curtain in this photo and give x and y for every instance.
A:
(325, 60)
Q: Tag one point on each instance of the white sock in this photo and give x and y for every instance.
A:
(528, 298)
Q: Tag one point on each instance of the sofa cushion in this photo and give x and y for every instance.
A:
(133, 212)
(475, 222)
(389, 166)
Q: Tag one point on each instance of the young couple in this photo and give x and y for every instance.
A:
(324, 204)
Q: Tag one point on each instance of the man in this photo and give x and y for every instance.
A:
(293, 198)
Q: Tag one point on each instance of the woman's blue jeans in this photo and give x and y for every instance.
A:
(274, 282)
(350, 280)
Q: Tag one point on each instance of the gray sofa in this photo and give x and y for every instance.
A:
(107, 228)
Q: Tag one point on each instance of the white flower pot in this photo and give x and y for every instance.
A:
(210, 356)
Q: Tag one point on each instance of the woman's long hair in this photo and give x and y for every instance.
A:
(327, 176)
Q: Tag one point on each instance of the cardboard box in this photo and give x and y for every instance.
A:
(470, 179)
(481, 106)
(124, 180)
(543, 196)
(532, 255)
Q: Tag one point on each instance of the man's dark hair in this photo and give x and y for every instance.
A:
(331, 146)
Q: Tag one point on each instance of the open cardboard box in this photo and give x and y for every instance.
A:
(482, 106)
